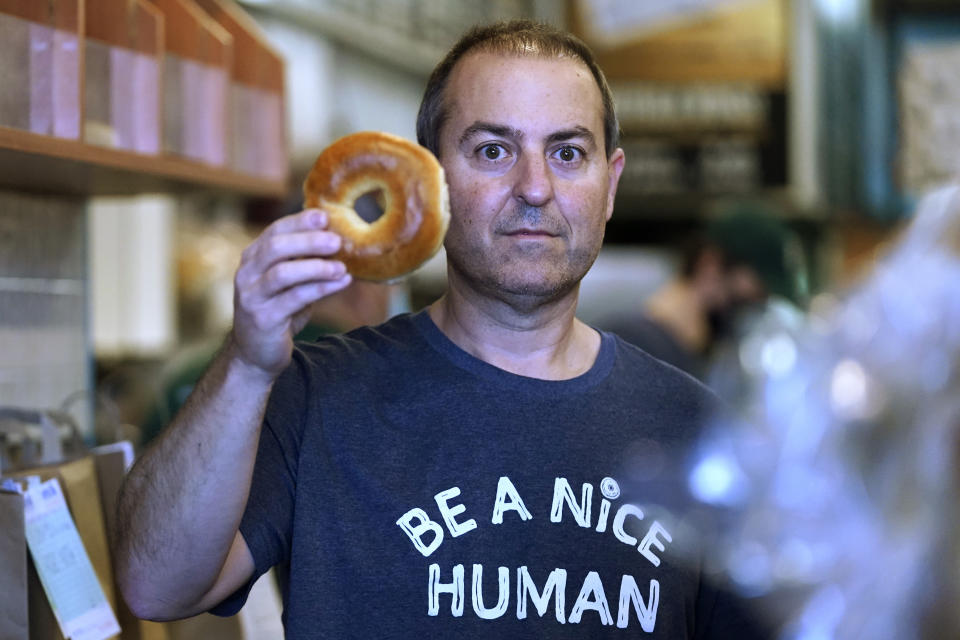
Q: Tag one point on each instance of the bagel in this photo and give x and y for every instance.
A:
(410, 188)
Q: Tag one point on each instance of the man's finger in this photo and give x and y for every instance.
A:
(284, 275)
(306, 220)
(267, 251)
(295, 299)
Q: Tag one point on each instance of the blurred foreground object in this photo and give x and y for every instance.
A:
(841, 465)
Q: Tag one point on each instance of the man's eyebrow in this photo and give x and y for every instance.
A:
(499, 130)
(569, 134)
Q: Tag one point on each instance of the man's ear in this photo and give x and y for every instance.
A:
(614, 168)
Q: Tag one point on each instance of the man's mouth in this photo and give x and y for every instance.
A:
(529, 233)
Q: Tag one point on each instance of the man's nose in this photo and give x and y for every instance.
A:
(534, 184)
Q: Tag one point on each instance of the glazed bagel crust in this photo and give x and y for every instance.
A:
(415, 202)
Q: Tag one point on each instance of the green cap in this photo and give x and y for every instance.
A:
(755, 237)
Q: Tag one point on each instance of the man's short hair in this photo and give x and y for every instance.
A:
(519, 38)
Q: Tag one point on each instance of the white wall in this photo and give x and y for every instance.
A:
(332, 91)
(132, 274)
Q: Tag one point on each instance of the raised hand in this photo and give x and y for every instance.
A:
(285, 270)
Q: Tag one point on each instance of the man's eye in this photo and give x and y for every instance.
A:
(492, 151)
(569, 154)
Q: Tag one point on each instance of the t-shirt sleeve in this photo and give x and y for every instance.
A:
(268, 518)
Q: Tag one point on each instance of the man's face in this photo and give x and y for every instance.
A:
(531, 187)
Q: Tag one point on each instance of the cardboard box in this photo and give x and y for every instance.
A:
(13, 568)
(78, 479)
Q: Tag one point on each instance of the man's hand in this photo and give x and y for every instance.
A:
(284, 271)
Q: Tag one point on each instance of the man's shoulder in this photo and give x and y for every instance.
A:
(360, 347)
(398, 330)
(655, 339)
(668, 401)
(653, 373)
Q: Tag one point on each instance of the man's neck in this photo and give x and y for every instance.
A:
(548, 343)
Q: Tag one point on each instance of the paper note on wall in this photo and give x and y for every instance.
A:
(75, 595)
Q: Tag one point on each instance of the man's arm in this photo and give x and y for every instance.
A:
(179, 550)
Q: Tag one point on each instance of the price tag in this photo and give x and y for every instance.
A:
(68, 579)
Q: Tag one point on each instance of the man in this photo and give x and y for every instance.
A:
(472, 470)
(742, 258)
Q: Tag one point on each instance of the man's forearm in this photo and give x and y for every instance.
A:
(181, 505)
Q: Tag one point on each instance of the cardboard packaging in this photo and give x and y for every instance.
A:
(78, 479)
(13, 568)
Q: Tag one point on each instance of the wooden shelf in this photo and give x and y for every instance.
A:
(45, 164)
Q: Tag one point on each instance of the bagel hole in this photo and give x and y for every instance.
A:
(371, 205)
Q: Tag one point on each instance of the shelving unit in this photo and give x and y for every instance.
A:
(702, 99)
(81, 116)
(37, 163)
(101, 154)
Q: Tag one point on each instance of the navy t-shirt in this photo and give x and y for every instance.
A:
(411, 490)
(653, 337)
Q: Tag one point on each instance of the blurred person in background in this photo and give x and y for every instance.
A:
(739, 261)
